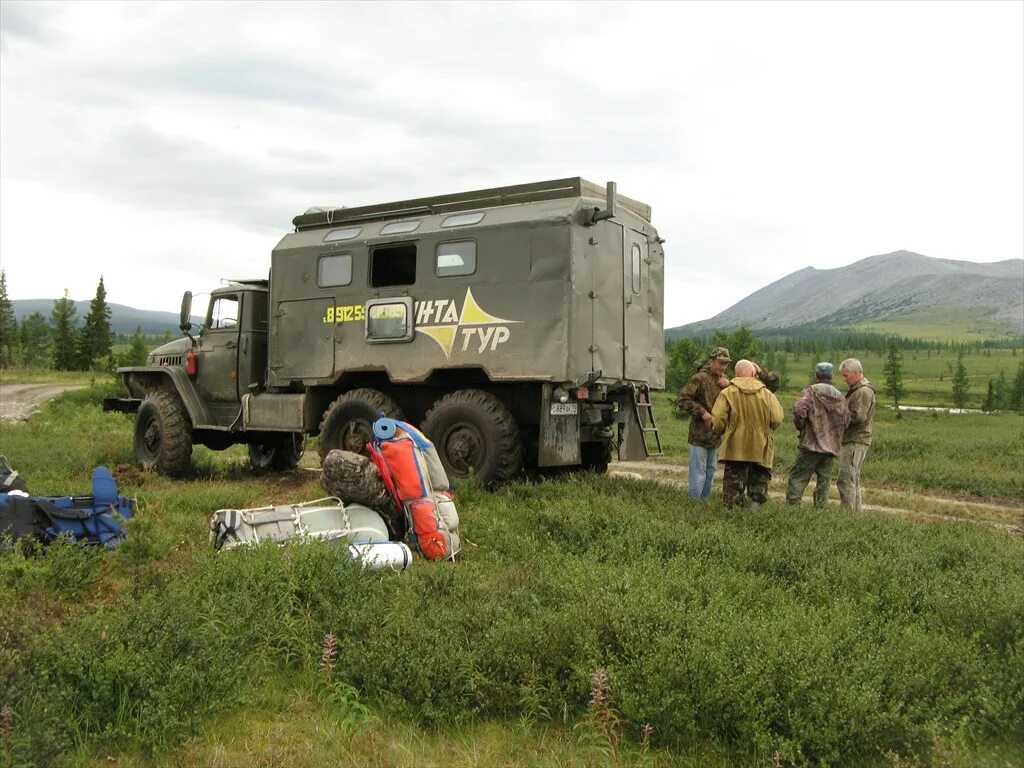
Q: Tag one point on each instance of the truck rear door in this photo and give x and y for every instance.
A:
(635, 306)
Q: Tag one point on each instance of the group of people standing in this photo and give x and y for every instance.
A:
(732, 421)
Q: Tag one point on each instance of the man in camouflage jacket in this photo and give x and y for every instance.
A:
(857, 438)
(820, 416)
(697, 398)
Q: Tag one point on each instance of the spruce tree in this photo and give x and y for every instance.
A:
(8, 325)
(94, 339)
(893, 370)
(1017, 390)
(960, 382)
(34, 341)
(138, 351)
(64, 333)
(989, 404)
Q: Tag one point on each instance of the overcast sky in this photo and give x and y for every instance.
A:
(169, 145)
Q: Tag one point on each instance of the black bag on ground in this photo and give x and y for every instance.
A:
(21, 518)
(10, 480)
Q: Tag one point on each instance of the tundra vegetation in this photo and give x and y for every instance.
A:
(592, 621)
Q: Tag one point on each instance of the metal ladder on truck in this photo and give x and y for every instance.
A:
(641, 405)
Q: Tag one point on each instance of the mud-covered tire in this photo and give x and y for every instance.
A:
(475, 436)
(596, 455)
(277, 453)
(163, 434)
(348, 422)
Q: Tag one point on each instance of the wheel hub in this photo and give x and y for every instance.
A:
(151, 437)
(355, 435)
(464, 448)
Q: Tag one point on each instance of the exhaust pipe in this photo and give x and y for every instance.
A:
(608, 212)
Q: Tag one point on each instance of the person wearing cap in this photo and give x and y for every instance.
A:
(745, 415)
(860, 397)
(697, 398)
(820, 415)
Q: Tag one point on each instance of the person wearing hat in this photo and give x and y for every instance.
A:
(697, 398)
(820, 415)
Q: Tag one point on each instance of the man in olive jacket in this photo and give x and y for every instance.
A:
(697, 398)
(860, 397)
(745, 415)
(820, 416)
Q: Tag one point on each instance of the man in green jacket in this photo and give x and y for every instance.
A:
(860, 397)
(745, 415)
(697, 398)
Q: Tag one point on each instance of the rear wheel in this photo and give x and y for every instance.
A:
(595, 456)
(277, 453)
(475, 436)
(163, 434)
(348, 423)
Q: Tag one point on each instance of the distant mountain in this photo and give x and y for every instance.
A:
(122, 319)
(894, 288)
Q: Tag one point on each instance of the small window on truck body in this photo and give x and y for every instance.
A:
(389, 320)
(462, 219)
(399, 227)
(455, 258)
(636, 268)
(393, 265)
(336, 235)
(334, 269)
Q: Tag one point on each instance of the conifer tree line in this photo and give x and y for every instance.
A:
(60, 341)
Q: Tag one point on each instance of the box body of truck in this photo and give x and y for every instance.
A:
(545, 299)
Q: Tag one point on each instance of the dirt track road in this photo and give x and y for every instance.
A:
(941, 509)
(19, 401)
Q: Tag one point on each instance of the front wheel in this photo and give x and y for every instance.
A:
(277, 453)
(163, 434)
(475, 436)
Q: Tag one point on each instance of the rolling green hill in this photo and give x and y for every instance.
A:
(902, 293)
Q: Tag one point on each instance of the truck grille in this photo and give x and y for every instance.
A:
(172, 360)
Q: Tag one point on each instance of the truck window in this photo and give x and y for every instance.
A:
(389, 319)
(636, 268)
(342, 234)
(224, 312)
(393, 265)
(462, 219)
(398, 227)
(456, 258)
(334, 269)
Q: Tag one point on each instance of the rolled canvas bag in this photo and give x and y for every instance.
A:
(326, 519)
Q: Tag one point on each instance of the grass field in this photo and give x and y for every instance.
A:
(926, 375)
(825, 637)
(943, 323)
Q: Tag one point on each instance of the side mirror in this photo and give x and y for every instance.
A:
(184, 321)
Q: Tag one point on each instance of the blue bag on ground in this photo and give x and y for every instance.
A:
(97, 519)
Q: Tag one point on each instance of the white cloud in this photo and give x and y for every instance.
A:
(167, 145)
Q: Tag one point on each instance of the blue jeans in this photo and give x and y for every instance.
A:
(703, 462)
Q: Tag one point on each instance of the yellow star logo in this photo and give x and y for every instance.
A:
(471, 314)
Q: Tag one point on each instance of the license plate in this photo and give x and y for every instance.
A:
(564, 409)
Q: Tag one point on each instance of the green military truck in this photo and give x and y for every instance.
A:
(520, 327)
